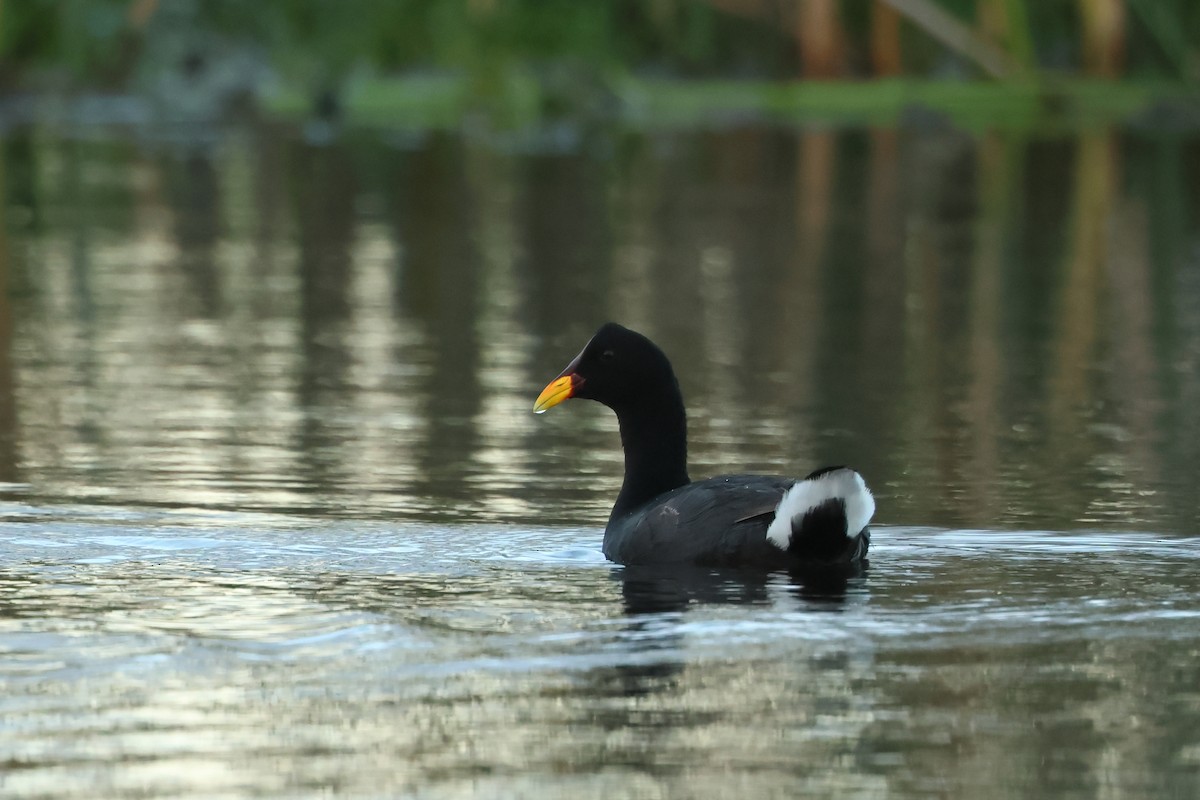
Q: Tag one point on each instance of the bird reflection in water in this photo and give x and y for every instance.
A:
(655, 596)
(659, 589)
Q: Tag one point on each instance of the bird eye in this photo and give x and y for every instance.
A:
(607, 355)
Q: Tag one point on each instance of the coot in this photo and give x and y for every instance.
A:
(663, 517)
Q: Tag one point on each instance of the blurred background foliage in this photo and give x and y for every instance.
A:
(441, 58)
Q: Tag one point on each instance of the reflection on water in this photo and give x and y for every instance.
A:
(277, 519)
(172, 653)
(997, 331)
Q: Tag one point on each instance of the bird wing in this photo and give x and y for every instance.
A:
(710, 520)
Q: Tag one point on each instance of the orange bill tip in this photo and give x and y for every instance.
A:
(561, 388)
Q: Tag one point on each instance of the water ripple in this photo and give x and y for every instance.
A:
(182, 651)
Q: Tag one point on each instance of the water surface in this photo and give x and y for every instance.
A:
(276, 519)
(205, 655)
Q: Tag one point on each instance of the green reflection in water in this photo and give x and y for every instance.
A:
(997, 330)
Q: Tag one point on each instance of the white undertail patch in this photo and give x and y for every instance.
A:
(844, 484)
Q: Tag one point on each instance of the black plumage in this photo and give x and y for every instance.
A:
(662, 517)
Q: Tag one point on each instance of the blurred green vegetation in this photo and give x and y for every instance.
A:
(440, 58)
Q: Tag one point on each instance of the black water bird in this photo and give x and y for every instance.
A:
(662, 517)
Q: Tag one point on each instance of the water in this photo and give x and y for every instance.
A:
(276, 518)
(208, 655)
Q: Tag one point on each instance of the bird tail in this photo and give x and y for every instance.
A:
(824, 517)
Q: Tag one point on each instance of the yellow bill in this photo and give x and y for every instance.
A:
(559, 389)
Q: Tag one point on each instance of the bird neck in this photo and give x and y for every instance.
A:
(655, 442)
